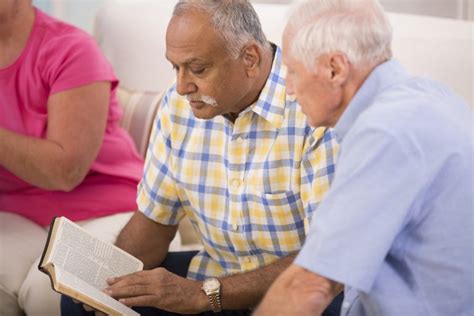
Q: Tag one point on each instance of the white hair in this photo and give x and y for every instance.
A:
(235, 21)
(359, 29)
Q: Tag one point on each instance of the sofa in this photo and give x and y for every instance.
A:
(132, 36)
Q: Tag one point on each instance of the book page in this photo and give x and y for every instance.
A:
(68, 280)
(89, 258)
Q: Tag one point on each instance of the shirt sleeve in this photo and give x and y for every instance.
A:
(371, 199)
(73, 60)
(157, 193)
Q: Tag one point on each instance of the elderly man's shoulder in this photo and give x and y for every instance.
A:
(419, 98)
(418, 109)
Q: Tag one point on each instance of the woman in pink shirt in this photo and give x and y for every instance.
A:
(62, 152)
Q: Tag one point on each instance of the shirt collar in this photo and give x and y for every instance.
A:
(272, 99)
(382, 77)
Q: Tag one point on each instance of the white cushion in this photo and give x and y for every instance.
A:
(132, 36)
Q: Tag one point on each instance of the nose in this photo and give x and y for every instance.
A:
(184, 84)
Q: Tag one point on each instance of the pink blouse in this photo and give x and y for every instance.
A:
(59, 57)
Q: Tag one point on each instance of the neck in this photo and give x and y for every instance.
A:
(15, 27)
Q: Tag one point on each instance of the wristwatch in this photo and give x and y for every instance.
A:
(212, 288)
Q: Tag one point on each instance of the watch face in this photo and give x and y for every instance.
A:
(211, 284)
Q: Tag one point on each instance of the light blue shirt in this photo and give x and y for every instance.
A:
(397, 224)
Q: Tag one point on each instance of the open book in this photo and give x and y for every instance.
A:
(79, 265)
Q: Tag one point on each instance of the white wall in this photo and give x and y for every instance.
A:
(82, 12)
(78, 12)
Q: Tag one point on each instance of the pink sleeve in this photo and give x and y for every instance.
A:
(74, 60)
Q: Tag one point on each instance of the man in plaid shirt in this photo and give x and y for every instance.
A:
(233, 152)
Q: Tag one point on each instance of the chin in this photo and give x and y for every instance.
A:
(315, 122)
(203, 114)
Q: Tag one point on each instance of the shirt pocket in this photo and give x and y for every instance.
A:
(277, 221)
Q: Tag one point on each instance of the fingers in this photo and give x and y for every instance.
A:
(144, 288)
(135, 277)
(112, 280)
(129, 291)
(87, 308)
(144, 300)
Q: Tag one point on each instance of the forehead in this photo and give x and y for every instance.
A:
(191, 36)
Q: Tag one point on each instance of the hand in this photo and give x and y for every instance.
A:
(159, 288)
(303, 293)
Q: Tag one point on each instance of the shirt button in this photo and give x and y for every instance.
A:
(346, 304)
(240, 140)
(248, 259)
(235, 183)
(235, 227)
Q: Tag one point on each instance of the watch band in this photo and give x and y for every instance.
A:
(215, 302)
(212, 288)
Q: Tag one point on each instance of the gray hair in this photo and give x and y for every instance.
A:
(357, 28)
(235, 21)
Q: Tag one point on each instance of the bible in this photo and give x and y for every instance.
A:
(79, 264)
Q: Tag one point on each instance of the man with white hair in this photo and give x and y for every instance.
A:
(396, 227)
(235, 154)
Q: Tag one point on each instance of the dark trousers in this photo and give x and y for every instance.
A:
(178, 263)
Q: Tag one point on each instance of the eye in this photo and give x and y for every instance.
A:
(198, 71)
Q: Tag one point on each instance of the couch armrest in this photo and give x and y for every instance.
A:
(139, 109)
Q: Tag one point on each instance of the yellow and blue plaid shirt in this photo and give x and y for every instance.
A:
(249, 187)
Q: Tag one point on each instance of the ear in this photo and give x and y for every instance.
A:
(251, 57)
(339, 67)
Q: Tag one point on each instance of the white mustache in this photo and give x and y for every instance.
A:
(206, 99)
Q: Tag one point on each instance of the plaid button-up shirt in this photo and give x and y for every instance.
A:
(249, 187)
